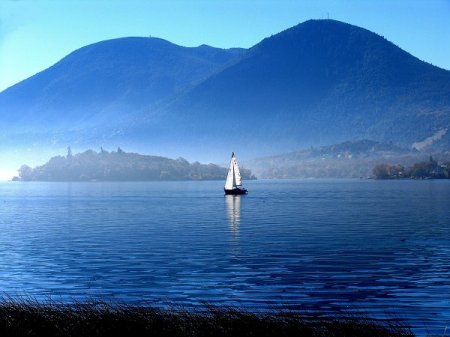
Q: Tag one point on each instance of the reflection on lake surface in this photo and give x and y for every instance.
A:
(233, 203)
(378, 246)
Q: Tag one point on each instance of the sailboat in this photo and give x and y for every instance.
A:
(233, 184)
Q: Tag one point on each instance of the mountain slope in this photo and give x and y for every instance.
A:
(104, 81)
(351, 159)
(322, 82)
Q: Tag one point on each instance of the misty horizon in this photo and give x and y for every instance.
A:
(58, 108)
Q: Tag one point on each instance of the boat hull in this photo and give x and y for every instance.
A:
(236, 191)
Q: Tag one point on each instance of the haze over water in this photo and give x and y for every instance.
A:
(378, 247)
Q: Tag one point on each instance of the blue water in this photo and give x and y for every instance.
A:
(377, 247)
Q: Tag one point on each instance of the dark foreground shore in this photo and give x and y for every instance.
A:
(29, 318)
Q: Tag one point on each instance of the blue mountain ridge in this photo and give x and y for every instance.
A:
(320, 82)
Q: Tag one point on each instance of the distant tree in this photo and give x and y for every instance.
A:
(119, 150)
(25, 172)
(89, 165)
(388, 171)
(446, 170)
(69, 152)
(426, 169)
(381, 171)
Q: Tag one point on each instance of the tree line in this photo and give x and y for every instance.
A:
(121, 166)
(430, 169)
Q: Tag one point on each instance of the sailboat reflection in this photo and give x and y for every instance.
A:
(233, 203)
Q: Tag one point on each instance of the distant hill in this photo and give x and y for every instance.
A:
(352, 159)
(121, 166)
(96, 91)
(320, 82)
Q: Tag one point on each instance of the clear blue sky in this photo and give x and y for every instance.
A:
(34, 34)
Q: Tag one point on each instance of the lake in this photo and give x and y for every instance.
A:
(376, 247)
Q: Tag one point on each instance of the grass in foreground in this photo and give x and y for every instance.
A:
(29, 318)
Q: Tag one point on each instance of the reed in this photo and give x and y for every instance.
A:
(31, 318)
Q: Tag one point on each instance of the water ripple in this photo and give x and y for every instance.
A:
(378, 247)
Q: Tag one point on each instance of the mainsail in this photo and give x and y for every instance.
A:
(237, 172)
(234, 175)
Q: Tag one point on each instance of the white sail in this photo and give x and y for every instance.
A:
(237, 172)
(230, 183)
(234, 180)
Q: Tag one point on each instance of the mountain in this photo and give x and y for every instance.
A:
(107, 84)
(320, 82)
(351, 159)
